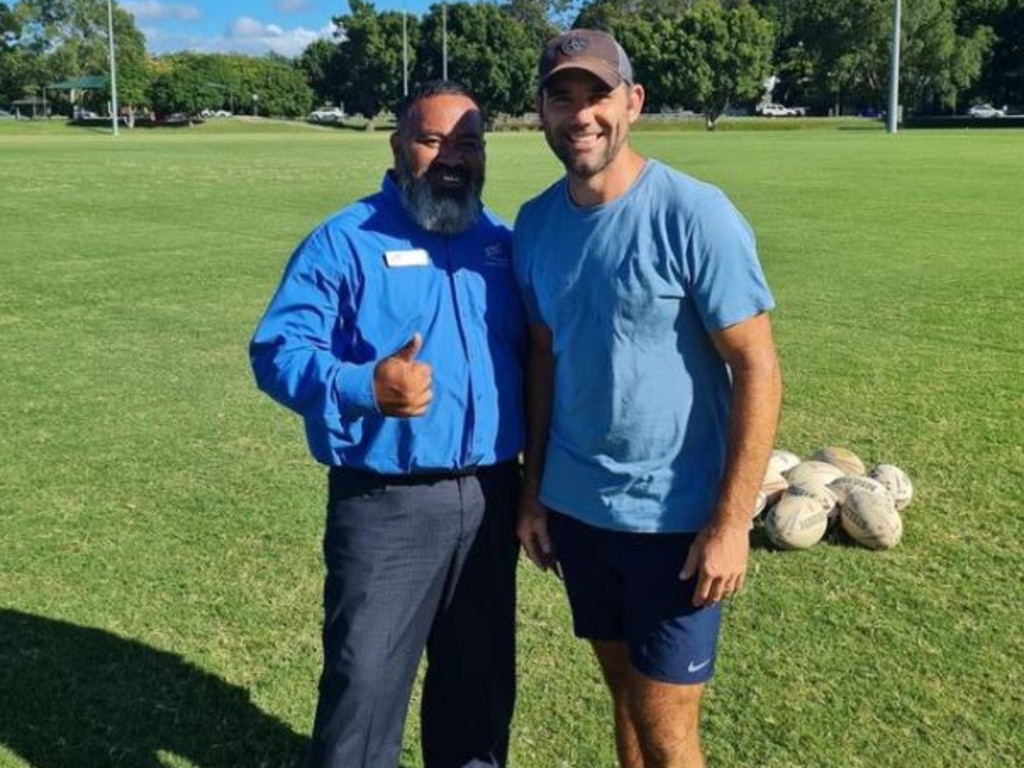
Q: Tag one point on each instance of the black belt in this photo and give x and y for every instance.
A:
(420, 478)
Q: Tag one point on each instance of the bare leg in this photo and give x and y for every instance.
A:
(666, 719)
(615, 665)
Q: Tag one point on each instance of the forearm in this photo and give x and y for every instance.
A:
(312, 381)
(756, 402)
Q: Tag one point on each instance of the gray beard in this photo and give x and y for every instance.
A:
(436, 211)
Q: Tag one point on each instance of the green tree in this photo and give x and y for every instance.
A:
(703, 54)
(489, 52)
(834, 54)
(937, 63)
(1002, 77)
(540, 17)
(615, 16)
(708, 56)
(10, 28)
(186, 86)
(132, 61)
(280, 86)
(322, 65)
(11, 58)
(69, 38)
(192, 82)
(370, 60)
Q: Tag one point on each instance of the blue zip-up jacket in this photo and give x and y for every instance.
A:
(355, 291)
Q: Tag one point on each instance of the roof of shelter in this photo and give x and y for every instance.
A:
(86, 83)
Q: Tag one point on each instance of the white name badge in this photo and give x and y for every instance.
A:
(417, 257)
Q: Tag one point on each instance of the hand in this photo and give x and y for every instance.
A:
(402, 386)
(719, 556)
(532, 530)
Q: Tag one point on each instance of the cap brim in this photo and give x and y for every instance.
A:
(599, 69)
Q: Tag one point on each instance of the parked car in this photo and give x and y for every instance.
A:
(986, 111)
(778, 110)
(5, 115)
(327, 115)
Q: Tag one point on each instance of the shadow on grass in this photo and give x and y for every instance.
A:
(78, 696)
(834, 536)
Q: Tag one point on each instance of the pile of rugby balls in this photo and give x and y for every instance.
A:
(800, 501)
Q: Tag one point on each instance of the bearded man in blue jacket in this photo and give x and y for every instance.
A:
(397, 334)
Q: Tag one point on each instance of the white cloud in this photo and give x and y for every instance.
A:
(152, 9)
(293, 6)
(245, 35)
(246, 26)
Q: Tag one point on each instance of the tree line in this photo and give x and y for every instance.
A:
(830, 56)
(46, 42)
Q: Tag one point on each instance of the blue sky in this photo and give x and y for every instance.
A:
(243, 26)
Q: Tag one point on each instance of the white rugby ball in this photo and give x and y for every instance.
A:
(773, 485)
(871, 519)
(781, 460)
(841, 486)
(760, 503)
(824, 494)
(845, 459)
(799, 518)
(896, 481)
(820, 472)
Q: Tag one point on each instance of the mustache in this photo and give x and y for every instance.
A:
(449, 174)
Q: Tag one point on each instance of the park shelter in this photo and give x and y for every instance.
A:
(34, 104)
(77, 84)
(87, 83)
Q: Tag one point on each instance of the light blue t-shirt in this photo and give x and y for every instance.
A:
(630, 291)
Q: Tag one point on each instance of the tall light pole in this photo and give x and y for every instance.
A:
(405, 53)
(113, 65)
(894, 71)
(444, 41)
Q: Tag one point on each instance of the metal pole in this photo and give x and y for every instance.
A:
(405, 53)
(113, 65)
(894, 71)
(444, 41)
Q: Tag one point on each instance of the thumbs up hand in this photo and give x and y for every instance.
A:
(401, 385)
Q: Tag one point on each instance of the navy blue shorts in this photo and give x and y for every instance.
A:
(625, 587)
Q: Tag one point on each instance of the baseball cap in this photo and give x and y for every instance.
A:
(590, 50)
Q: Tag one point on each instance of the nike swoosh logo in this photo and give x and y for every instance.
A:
(691, 667)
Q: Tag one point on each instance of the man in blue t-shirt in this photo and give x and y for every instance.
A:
(653, 394)
(398, 335)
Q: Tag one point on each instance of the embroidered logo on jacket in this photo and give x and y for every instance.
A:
(496, 255)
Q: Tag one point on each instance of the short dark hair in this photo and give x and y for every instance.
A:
(427, 90)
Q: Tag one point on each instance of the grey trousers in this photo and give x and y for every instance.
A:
(418, 563)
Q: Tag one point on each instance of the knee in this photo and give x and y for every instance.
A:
(360, 676)
(667, 720)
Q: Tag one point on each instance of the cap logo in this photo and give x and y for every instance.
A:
(575, 45)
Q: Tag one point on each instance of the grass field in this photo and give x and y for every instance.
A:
(160, 519)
